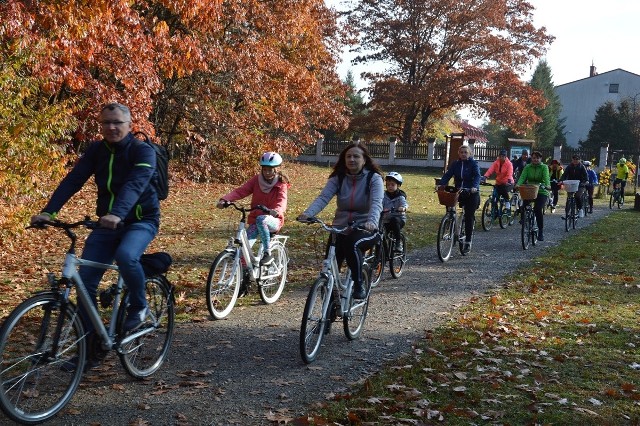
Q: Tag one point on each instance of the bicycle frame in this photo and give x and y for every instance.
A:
(71, 274)
(241, 246)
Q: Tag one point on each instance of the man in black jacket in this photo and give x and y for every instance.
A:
(576, 171)
(127, 205)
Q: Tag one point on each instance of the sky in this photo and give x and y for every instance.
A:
(587, 31)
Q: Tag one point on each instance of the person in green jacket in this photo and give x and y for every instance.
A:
(537, 173)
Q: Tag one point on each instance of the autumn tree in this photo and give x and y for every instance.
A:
(545, 131)
(442, 54)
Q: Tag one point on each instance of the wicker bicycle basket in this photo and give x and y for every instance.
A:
(528, 192)
(447, 198)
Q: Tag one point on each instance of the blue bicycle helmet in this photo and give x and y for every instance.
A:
(270, 159)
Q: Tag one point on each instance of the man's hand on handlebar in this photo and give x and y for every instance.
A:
(109, 221)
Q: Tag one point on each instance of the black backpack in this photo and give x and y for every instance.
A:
(160, 180)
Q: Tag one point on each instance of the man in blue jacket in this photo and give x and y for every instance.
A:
(127, 205)
(466, 175)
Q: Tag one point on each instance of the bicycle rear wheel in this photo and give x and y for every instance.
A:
(143, 356)
(487, 215)
(398, 257)
(314, 319)
(223, 285)
(34, 387)
(271, 288)
(446, 236)
(525, 234)
(375, 258)
(353, 321)
(462, 237)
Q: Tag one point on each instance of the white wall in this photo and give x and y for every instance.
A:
(580, 99)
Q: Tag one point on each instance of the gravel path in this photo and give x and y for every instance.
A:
(246, 369)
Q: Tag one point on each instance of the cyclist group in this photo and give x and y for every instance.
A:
(523, 170)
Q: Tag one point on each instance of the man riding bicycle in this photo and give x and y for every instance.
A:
(576, 171)
(622, 176)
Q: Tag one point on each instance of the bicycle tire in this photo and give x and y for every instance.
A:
(314, 319)
(612, 200)
(446, 236)
(34, 387)
(462, 237)
(533, 229)
(271, 289)
(223, 285)
(515, 209)
(144, 355)
(567, 215)
(487, 215)
(525, 232)
(397, 261)
(573, 214)
(503, 216)
(353, 321)
(620, 200)
(376, 261)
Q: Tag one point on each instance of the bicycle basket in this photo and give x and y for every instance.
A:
(528, 192)
(447, 197)
(571, 185)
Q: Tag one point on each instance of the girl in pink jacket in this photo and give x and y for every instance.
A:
(269, 188)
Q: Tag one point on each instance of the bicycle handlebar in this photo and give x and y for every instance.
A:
(331, 228)
(260, 207)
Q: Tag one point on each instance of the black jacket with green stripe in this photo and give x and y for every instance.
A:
(122, 173)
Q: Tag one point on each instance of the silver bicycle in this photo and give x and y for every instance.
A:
(331, 297)
(45, 334)
(226, 272)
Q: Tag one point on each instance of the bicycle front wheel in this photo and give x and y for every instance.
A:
(398, 257)
(314, 319)
(446, 236)
(525, 234)
(353, 321)
(36, 340)
(271, 288)
(143, 356)
(223, 285)
(487, 215)
(612, 200)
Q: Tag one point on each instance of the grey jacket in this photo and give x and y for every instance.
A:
(353, 202)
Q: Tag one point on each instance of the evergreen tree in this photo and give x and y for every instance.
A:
(613, 126)
(546, 131)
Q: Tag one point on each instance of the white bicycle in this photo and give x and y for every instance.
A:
(226, 272)
(330, 296)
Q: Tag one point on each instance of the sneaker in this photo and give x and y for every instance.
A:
(553, 209)
(580, 213)
(135, 318)
(358, 292)
(467, 247)
(266, 259)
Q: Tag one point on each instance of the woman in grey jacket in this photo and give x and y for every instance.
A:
(356, 181)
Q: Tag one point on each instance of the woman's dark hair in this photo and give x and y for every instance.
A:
(341, 165)
(283, 177)
(536, 154)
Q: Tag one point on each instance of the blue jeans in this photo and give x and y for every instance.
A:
(124, 246)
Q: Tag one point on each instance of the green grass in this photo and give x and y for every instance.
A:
(557, 345)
